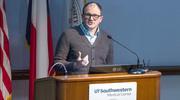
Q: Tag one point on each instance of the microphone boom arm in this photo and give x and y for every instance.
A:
(128, 49)
(132, 71)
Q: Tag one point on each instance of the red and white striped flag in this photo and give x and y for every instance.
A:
(5, 69)
(40, 37)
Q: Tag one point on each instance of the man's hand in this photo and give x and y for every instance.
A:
(81, 62)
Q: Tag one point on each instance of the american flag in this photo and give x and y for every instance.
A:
(5, 69)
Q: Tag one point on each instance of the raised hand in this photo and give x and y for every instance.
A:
(81, 62)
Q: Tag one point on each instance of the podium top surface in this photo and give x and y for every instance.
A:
(95, 77)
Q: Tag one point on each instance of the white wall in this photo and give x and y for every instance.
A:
(20, 90)
(170, 86)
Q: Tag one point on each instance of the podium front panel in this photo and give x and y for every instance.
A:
(76, 87)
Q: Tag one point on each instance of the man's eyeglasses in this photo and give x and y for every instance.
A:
(94, 16)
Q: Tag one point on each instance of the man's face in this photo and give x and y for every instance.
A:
(92, 16)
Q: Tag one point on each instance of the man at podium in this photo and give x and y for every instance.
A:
(82, 46)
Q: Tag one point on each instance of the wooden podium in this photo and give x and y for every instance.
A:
(76, 87)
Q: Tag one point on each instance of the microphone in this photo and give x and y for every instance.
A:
(132, 71)
(58, 63)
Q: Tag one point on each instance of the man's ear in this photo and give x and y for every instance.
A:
(101, 18)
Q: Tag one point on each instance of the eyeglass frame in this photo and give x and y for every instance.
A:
(92, 15)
